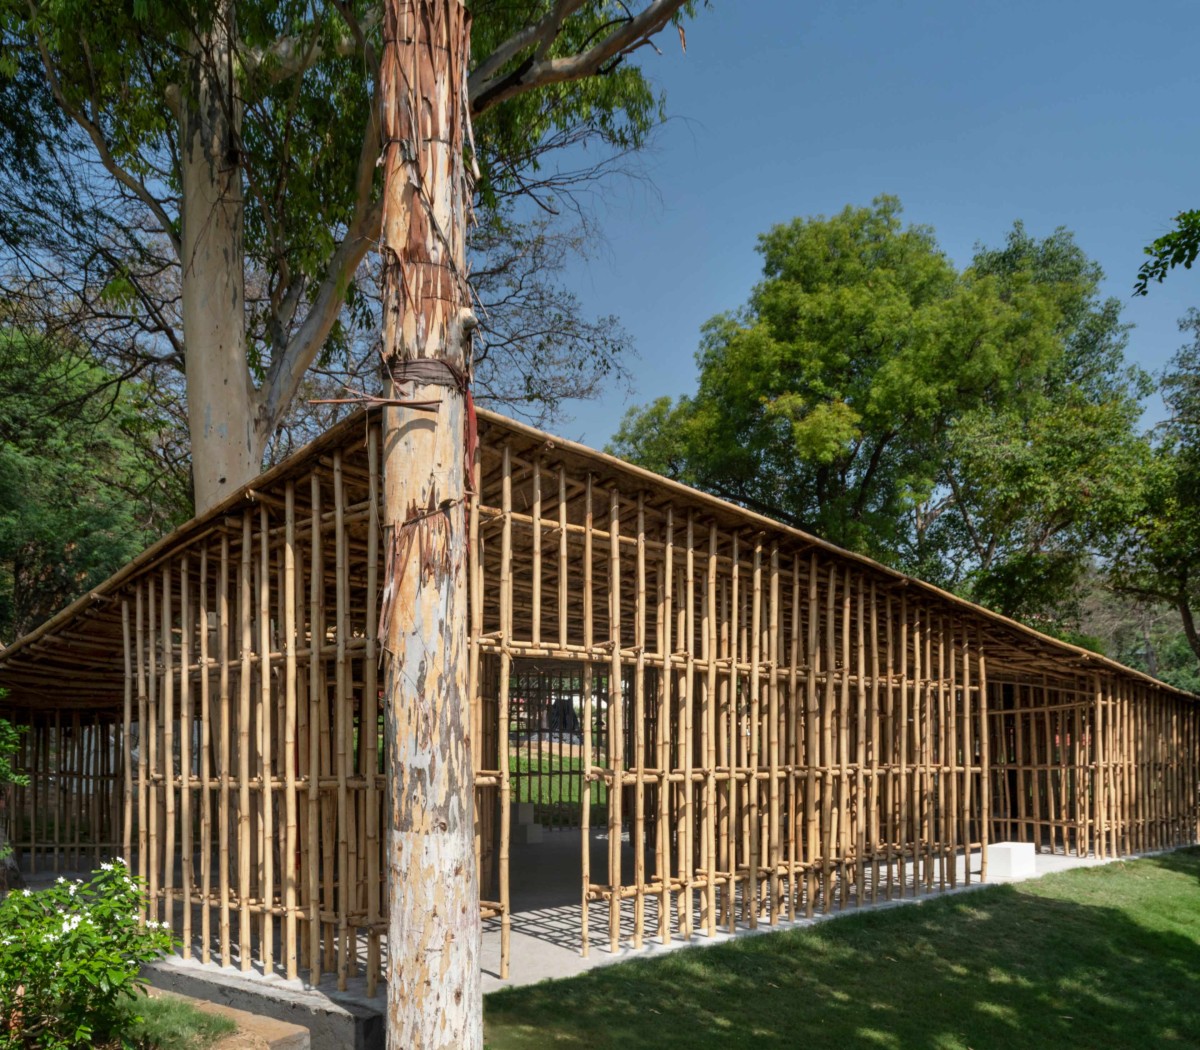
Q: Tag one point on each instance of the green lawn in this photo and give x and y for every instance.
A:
(1100, 957)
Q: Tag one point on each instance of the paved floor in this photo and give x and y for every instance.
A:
(546, 921)
(547, 916)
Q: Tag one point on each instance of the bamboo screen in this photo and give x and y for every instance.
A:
(757, 725)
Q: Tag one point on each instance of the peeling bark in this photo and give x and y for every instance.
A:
(434, 990)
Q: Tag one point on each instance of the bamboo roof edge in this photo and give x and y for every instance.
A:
(337, 435)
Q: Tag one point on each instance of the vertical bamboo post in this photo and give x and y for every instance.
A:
(506, 633)
(860, 748)
(585, 816)
(616, 724)
(168, 751)
(685, 841)
(316, 639)
(812, 755)
(985, 759)
(370, 721)
(290, 844)
(710, 734)
(667, 583)
(155, 845)
(224, 702)
(843, 780)
(341, 721)
(793, 714)
(266, 801)
(755, 856)
(968, 755)
(638, 731)
(775, 858)
(873, 803)
(202, 620)
(126, 749)
(186, 729)
(245, 607)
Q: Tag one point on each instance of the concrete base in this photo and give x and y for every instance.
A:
(1011, 860)
(334, 1020)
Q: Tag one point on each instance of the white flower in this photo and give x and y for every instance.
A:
(106, 866)
(60, 880)
(72, 888)
(27, 893)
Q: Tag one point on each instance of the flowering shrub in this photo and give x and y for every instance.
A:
(70, 957)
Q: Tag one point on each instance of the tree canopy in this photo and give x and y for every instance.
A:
(975, 427)
(82, 489)
(143, 147)
(1157, 559)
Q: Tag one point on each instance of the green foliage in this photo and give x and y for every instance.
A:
(975, 428)
(81, 489)
(1159, 555)
(10, 744)
(1179, 247)
(70, 958)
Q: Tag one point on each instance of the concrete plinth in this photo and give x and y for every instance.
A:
(1011, 860)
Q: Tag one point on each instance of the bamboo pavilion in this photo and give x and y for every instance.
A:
(761, 725)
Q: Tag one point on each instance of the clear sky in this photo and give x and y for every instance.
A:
(1073, 114)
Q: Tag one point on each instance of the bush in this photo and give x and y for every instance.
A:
(70, 958)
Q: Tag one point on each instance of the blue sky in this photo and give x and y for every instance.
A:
(1060, 114)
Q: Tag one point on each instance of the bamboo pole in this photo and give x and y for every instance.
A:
(315, 688)
(202, 620)
(341, 719)
(369, 723)
(638, 730)
(585, 815)
(186, 727)
(245, 947)
(506, 633)
(290, 845)
(666, 586)
(793, 744)
(709, 652)
(616, 724)
(685, 841)
(985, 760)
(126, 749)
(812, 754)
(223, 749)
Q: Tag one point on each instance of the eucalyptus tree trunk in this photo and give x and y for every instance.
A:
(434, 991)
(227, 448)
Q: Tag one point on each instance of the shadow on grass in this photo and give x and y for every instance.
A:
(1104, 957)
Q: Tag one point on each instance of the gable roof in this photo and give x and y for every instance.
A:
(83, 643)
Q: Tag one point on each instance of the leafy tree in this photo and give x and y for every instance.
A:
(1158, 557)
(975, 428)
(81, 488)
(1178, 247)
(199, 181)
(1043, 473)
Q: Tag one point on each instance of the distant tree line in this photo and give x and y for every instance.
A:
(978, 428)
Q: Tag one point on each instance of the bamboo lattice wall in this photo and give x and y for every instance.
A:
(759, 725)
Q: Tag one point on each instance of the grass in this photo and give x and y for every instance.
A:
(539, 781)
(1096, 957)
(174, 1024)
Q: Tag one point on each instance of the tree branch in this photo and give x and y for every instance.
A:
(92, 130)
(287, 370)
(290, 56)
(488, 86)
